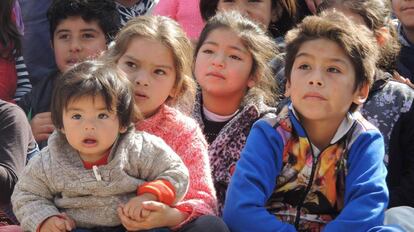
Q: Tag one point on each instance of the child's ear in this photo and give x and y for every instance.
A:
(287, 89)
(123, 129)
(251, 82)
(361, 94)
(173, 92)
(382, 36)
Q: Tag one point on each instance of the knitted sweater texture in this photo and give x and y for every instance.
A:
(184, 136)
(55, 181)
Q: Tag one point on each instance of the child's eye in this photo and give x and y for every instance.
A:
(159, 72)
(304, 67)
(235, 57)
(88, 36)
(63, 36)
(130, 64)
(76, 116)
(333, 70)
(103, 116)
(255, 0)
(207, 51)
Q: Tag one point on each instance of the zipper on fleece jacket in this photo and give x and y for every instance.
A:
(308, 187)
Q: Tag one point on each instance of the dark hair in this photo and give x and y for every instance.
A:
(104, 12)
(9, 35)
(376, 15)
(355, 40)
(169, 33)
(258, 44)
(95, 78)
(208, 8)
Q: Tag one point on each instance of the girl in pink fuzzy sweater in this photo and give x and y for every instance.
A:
(185, 12)
(155, 54)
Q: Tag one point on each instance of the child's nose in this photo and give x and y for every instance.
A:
(75, 46)
(218, 61)
(243, 9)
(316, 79)
(89, 125)
(142, 78)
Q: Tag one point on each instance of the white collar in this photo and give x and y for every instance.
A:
(217, 118)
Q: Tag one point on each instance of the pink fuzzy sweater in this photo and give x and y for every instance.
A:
(185, 12)
(184, 136)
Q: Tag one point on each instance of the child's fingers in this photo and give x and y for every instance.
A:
(59, 225)
(128, 223)
(135, 212)
(145, 213)
(69, 222)
(69, 225)
(152, 205)
(125, 209)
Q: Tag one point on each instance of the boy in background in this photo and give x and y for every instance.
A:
(80, 30)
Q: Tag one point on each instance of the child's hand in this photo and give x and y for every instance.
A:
(61, 223)
(161, 215)
(42, 126)
(133, 208)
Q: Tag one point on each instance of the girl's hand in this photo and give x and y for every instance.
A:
(133, 208)
(161, 215)
(129, 223)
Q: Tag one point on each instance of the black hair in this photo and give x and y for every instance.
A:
(104, 12)
(9, 35)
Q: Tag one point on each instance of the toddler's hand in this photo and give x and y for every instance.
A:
(133, 208)
(60, 223)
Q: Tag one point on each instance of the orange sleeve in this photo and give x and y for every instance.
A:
(162, 189)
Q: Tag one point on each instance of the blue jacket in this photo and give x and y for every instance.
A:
(280, 185)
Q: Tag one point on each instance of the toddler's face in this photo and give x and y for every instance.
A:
(150, 66)
(76, 40)
(90, 127)
(322, 81)
(404, 10)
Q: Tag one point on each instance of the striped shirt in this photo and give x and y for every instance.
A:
(23, 82)
(142, 7)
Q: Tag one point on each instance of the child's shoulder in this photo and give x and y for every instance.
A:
(179, 121)
(137, 139)
(362, 124)
(363, 128)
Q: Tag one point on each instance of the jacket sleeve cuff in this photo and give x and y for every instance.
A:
(162, 189)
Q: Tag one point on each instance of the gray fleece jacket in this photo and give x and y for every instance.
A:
(55, 181)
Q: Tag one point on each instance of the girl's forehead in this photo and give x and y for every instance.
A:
(225, 35)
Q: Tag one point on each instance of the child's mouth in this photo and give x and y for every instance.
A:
(89, 142)
(72, 62)
(141, 96)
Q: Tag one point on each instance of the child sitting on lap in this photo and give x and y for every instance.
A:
(95, 162)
